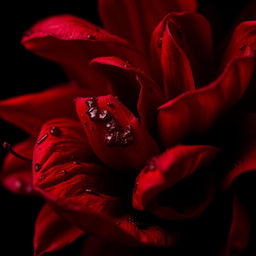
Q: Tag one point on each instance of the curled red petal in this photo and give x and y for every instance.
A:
(114, 133)
(84, 192)
(52, 232)
(194, 112)
(73, 42)
(182, 42)
(242, 43)
(30, 111)
(16, 174)
(136, 20)
(166, 171)
(133, 86)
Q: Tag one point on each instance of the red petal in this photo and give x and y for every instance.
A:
(30, 111)
(73, 42)
(167, 170)
(16, 174)
(243, 42)
(135, 20)
(182, 46)
(246, 159)
(129, 83)
(194, 112)
(85, 193)
(111, 144)
(52, 232)
(239, 233)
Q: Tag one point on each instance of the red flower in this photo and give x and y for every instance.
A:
(160, 165)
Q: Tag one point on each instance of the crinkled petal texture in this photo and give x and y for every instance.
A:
(84, 192)
(194, 112)
(135, 20)
(30, 111)
(158, 182)
(73, 42)
(16, 174)
(137, 90)
(182, 52)
(115, 134)
(52, 232)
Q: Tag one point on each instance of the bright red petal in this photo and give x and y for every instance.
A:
(52, 232)
(135, 20)
(73, 42)
(167, 170)
(30, 111)
(16, 174)
(114, 133)
(133, 87)
(86, 193)
(182, 50)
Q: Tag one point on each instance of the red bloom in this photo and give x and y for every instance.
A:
(164, 133)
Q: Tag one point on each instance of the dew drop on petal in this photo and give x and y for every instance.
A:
(91, 37)
(42, 139)
(37, 167)
(55, 131)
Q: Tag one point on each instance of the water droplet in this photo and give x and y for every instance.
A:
(37, 167)
(55, 131)
(42, 177)
(42, 139)
(243, 47)
(104, 115)
(137, 222)
(160, 42)
(61, 172)
(91, 37)
(112, 126)
(90, 191)
(110, 104)
(151, 165)
(127, 136)
(76, 162)
(118, 223)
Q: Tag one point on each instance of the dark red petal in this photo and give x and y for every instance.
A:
(30, 111)
(108, 137)
(194, 112)
(243, 42)
(16, 174)
(52, 232)
(239, 232)
(85, 193)
(246, 157)
(132, 86)
(136, 20)
(73, 42)
(182, 52)
(167, 170)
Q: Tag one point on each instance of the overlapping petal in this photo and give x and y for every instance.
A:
(135, 20)
(16, 174)
(182, 52)
(73, 42)
(52, 232)
(168, 170)
(30, 111)
(115, 134)
(86, 193)
(135, 88)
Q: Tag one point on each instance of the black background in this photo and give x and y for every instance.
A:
(22, 72)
